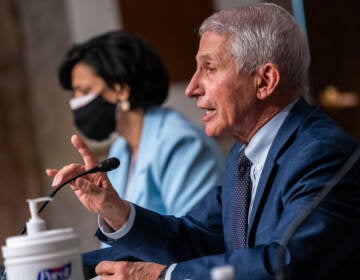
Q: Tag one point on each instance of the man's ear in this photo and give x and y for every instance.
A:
(268, 78)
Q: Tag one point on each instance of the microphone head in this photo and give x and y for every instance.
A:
(108, 164)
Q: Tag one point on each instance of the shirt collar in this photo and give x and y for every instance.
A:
(260, 143)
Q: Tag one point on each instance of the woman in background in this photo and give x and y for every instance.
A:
(119, 83)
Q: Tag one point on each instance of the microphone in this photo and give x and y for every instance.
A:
(103, 166)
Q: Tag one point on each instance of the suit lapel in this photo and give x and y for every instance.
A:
(288, 128)
(149, 136)
(228, 192)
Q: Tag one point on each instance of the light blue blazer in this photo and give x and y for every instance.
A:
(177, 164)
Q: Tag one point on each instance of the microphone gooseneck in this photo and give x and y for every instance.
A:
(103, 166)
(349, 163)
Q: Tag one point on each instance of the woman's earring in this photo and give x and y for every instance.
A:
(125, 105)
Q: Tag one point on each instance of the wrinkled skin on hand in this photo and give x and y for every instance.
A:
(97, 195)
(121, 270)
(94, 191)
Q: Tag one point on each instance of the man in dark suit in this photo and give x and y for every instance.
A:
(251, 75)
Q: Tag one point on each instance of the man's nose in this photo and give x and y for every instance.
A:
(192, 88)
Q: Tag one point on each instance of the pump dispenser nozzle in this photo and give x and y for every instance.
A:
(35, 223)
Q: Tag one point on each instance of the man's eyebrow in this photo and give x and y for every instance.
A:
(204, 57)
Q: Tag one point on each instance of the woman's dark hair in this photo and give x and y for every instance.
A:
(123, 58)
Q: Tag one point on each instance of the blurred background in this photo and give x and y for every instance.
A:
(35, 119)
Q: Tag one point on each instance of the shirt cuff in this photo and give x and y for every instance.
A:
(169, 271)
(110, 233)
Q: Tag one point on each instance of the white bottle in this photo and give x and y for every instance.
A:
(42, 254)
(225, 272)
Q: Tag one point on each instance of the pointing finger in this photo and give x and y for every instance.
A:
(87, 155)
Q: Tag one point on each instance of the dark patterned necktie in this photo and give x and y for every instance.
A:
(241, 201)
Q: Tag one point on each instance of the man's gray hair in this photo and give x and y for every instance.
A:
(264, 33)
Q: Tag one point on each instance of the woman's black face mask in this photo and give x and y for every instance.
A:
(96, 120)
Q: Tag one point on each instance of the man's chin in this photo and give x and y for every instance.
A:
(213, 132)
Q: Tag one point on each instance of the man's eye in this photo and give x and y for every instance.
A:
(210, 69)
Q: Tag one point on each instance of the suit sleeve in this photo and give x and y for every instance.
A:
(167, 239)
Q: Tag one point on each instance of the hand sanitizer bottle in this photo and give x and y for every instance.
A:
(42, 254)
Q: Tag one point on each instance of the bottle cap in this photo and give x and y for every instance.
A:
(225, 272)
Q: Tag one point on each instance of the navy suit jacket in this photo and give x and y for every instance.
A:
(307, 151)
